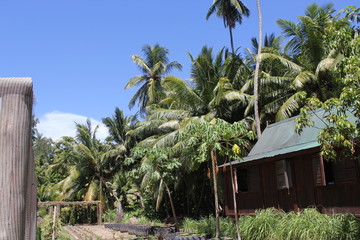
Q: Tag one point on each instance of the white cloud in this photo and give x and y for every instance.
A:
(57, 124)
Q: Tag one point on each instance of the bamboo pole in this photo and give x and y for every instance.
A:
(17, 202)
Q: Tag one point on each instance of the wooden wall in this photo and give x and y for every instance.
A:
(309, 187)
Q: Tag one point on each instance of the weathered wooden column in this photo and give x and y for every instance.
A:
(17, 178)
(99, 213)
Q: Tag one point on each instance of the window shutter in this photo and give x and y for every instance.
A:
(318, 170)
(283, 174)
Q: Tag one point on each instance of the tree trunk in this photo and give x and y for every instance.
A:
(213, 161)
(234, 199)
(256, 77)
(119, 208)
(172, 208)
(232, 41)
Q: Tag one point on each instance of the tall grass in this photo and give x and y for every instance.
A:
(206, 225)
(273, 224)
(262, 226)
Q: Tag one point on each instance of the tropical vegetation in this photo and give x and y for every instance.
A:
(163, 162)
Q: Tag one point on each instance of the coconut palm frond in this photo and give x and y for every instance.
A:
(303, 78)
(141, 63)
(167, 140)
(92, 191)
(168, 114)
(160, 194)
(284, 61)
(135, 81)
(291, 106)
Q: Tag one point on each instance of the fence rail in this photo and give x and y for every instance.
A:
(59, 204)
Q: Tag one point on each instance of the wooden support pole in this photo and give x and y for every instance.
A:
(99, 213)
(17, 202)
(58, 210)
(50, 210)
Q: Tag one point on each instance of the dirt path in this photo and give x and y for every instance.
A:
(95, 232)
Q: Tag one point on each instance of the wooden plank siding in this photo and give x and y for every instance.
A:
(314, 183)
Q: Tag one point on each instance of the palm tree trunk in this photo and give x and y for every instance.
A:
(234, 199)
(256, 77)
(119, 208)
(213, 160)
(172, 208)
(231, 41)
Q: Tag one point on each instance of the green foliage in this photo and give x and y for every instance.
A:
(202, 137)
(340, 132)
(206, 225)
(79, 215)
(46, 227)
(109, 215)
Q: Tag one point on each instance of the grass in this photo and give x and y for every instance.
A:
(270, 224)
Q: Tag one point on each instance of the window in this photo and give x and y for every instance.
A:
(242, 180)
(283, 174)
(247, 179)
(329, 173)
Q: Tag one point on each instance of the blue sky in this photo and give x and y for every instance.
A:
(78, 51)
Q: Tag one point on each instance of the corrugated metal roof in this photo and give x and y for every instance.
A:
(280, 138)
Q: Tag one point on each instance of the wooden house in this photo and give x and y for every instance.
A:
(285, 170)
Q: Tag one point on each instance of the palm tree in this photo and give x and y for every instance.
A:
(232, 12)
(287, 80)
(307, 36)
(154, 66)
(93, 164)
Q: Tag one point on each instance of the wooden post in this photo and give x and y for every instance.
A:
(58, 210)
(54, 223)
(17, 202)
(99, 213)
(50, 210)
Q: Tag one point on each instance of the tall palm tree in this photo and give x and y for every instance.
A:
(154, 66)
(93, 164)
(232, 12)
(305, 68)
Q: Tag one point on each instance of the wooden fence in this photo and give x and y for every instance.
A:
(60, 204)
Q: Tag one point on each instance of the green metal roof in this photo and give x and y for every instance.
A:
(280, 138)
